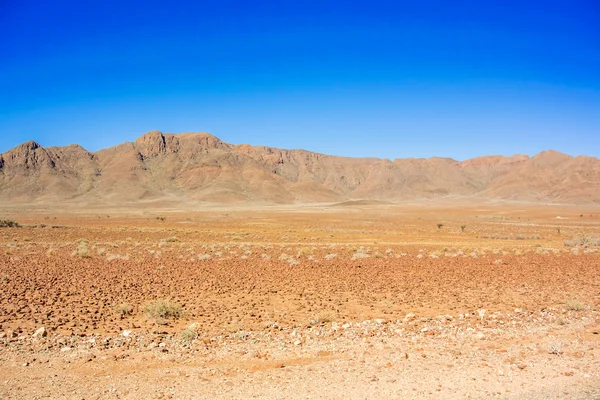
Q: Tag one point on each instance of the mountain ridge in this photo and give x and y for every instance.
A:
(198, 166)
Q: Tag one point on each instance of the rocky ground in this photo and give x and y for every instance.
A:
(358, 303)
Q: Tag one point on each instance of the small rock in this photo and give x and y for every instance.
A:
(65, 349)
(162, 345)
(126, 332)
(380, 321)
(297, 343)
(41, 332)
(521, 366)
(409, 317)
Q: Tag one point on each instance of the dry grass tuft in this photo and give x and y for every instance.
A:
(123, 309)
(191, 332)
(574, 305)
(164, 309)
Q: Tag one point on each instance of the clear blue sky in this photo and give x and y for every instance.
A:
(387, 79)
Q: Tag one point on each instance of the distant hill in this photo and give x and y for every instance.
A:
(199, 167)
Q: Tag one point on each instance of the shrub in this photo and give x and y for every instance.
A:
(6, 223)
(440, 226)
(323, 317)
(123, 309)
(357, 256)
(191, 332)
(163, 309)
(82, 249)
(574, 305)
(583, 241)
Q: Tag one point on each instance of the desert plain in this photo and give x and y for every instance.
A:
(357, 299)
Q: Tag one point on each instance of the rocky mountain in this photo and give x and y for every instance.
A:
(193, 167)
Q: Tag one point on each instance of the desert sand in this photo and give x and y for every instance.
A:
(352, 299)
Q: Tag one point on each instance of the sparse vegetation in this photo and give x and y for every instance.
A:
(574, 305)
(359, 255)
(583, 241)
(123, 309)
(323, 317)
(82, 249)
(191, 332)
(165, 309)
(440, 226)
(462, 228)
(7, 223)
(511, 237)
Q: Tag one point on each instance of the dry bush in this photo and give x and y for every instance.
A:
(82, 249)
(304, 251)
(323, 317)
(583, 241)
(510, 237)
(7, 223)
(357, 256)
(574, 305)
(164, 309)
(191, 332)
(123, 309)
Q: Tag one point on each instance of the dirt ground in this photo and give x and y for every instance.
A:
(356, 300)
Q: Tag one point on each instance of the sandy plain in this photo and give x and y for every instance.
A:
(350, 300)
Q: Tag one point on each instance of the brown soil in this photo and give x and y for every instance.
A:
(361, 301)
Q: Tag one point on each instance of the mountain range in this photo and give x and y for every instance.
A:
(199, 167)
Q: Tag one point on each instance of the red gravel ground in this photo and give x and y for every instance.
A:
(375, 301)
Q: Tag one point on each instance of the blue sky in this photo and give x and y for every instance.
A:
(394, 79)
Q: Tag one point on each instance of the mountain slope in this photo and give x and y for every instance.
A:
(200, 167)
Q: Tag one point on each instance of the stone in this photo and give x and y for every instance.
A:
(409, 317)
(41, 332)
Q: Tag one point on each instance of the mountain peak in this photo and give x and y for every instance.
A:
(25, 147)
(151, 144)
